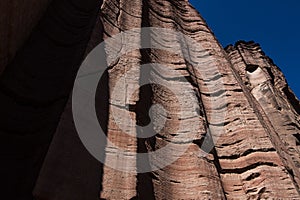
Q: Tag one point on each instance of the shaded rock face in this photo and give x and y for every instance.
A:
(16, 22)
(257, 155)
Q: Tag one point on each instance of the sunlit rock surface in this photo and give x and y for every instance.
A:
(255, 157)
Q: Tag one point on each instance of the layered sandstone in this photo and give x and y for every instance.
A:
(277, 107)
(240, 89)
(257, 155)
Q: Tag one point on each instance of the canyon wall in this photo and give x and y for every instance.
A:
(256, 157)
(256, 150)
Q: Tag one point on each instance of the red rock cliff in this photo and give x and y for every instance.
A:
(257, 156)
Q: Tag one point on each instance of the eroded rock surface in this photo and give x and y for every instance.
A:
(257, 156)
(237, 97)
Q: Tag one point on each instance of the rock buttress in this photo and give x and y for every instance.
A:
(256, 157)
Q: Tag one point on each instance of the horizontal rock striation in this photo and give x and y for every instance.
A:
(255, 157)
(233, 103)
(276, 103)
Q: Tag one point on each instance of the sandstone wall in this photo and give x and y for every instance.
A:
(257, 155)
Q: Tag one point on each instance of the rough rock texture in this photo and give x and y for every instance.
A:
(190, 177)
(255, 157)
(277, 106)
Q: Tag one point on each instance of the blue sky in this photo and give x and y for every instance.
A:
(274, 24)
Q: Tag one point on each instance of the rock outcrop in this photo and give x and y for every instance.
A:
(239, 101)
(275, 104)
(257, 156)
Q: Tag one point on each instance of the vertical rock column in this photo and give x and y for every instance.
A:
(191, 176)
(123, 81)
(249, 164)
(268, 86)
